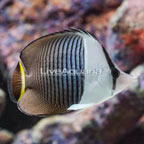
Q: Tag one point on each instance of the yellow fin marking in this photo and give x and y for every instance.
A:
(22, 80)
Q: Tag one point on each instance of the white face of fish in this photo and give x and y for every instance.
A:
(124, 81)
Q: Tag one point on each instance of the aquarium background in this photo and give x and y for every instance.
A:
(119, 25)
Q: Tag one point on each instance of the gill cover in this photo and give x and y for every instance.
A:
(16, 82)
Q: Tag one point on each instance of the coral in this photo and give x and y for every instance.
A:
(5, 136)
(125, 40)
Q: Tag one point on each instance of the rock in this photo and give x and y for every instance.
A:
(125, 40)
(47, 17)
(3, 74)
(135, 137)
(57, 129)
(5, 136)
(24, 137)
(2, 101)
(4, 3)
(137, 72)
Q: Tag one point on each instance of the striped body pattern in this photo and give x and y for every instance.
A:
(58, 59)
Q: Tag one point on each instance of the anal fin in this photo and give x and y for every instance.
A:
(80, 106)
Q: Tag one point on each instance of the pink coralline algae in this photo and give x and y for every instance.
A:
(126, 38)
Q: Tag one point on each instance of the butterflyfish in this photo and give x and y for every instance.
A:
(64, 71)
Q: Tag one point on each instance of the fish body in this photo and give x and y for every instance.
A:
(64, 71)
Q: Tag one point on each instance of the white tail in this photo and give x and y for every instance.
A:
(124, 81)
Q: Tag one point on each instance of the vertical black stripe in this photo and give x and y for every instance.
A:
(63, 75)
(46, 65)
(68, 76)
(76, 68)
(69, 66)
(78, 71)
(55, 96)
(36, 76)
(73, 85)
(40, 75)
(44, 69)
(52, 70)
(61, 68)
(58, 66)
(49, 86)
(65, 78)
(79, 61)
(82, 58)
(37, 72)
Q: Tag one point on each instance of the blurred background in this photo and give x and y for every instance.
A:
(119, 25)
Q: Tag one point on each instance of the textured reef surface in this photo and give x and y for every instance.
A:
(119, 26)
(125, 40)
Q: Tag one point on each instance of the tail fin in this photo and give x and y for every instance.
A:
(16, 82)
(124, 81)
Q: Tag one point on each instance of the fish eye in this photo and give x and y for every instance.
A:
(115, 73)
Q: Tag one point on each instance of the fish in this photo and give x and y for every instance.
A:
(64, 71)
